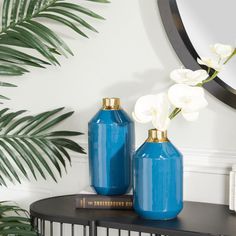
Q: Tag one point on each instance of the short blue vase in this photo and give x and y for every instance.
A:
(158, 178)
(111, 146)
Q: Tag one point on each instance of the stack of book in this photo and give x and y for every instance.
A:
(88, 199)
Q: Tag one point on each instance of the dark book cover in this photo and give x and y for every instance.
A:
(93, 201)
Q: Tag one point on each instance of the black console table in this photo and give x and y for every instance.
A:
(58, 216)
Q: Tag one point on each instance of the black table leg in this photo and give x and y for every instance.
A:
(92, 228)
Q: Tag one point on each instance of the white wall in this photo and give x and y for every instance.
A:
(130, 57)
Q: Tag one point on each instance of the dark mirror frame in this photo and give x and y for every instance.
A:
(183, 47)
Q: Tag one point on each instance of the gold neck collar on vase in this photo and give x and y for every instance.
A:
(157, 136)
(111, 103)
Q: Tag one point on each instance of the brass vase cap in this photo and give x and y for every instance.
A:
(111, 103)
(157, 136)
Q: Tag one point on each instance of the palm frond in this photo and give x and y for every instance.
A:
(28, 146)
(21, 27)
(14, 221)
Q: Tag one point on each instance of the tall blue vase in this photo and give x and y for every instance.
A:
(111, 146)
(158, 178)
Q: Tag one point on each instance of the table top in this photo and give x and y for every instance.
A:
(195, 219)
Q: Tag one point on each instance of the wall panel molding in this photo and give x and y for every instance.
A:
(210, 161)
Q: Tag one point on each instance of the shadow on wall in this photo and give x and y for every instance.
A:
(153, 80)
(157, 36)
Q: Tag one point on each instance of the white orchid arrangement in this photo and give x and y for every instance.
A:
(186, 96)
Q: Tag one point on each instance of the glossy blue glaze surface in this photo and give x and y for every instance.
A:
(111, 146)
(158, 181)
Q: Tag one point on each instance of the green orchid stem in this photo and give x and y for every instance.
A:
(217, 72)
(214, 75)
(176, 111)
(231, 56)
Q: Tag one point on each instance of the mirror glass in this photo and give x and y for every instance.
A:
(209, 22)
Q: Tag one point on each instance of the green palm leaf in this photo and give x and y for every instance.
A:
(21, 28)
(14, 221)
(28, 146)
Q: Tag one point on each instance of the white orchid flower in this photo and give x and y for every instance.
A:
(222, 50)
(189, 99)
(213, 63)
(153, 108)
(189, 77)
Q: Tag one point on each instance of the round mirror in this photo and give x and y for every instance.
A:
(192, 26)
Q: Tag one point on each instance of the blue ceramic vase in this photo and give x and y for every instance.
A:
(111, 146)
(158, 178)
